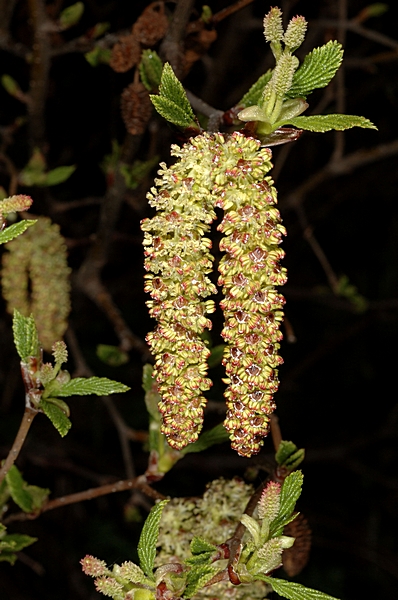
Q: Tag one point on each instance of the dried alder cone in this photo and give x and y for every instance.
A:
(227, 172)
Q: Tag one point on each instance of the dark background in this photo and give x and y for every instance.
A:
(338, 383)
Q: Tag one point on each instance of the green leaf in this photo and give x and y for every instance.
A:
(170, 111)
(172, 102)
(294, 591)
(323, 123)
(216, 435)
(285, 449)
(254, 95)
(58, 175)
(290, 493)
(57, 417)
(98, 56)
(14, 542)
(205, 558)
(15, 230)
(17, 488)
(149, 536)
(71, 15)
(100, 386)
(197, 578)
(199, 545)
(12, 87)
(25, 336)
(318, 69)
(112, 355)
(150, 68)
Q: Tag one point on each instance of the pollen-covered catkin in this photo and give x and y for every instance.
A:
(249, 272)
(35, 279)
(178, 258)
(228, 172)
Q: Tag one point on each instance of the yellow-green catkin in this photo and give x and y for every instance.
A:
(228, 172)
(35, 279)
(249, 272)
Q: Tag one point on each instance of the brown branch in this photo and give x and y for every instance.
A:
(345, 165)
(27, 420)
(138, 483)
(215, 116)
(353, 26)
(230, 10)
(172, 46)
(39, 73)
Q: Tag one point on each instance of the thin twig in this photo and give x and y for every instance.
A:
(351, 25)
(138, 483)
(230, 10)
(215, 116)
(27, 420)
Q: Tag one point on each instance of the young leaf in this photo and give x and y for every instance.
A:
(147, 379)
(150, 68)
(25, 336)
(170, 111)
(294, 591)
(205, 558)
(15, 230)
(199, 545)
(321, 123)
(198, 577)
(57, 417)
(172, 102)
(216, 435)
(58, 175)
(253, 96)
(14, 542)
(98, 56)
(112, 355)
(149, 536)
(318, 69)
(285, 450)
(19, 494)
(216, 354)
(100, 386)
(71, 15)
(290, 493)
(28, 497)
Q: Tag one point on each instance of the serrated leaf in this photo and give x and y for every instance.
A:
(197, 578)
(318, 69)
(18, 541)
(100, 386)
(321, 123)
(216, 435)
(171, 88)
(200, 559)
(148, 539)
(71, 15)
(172, 102)
(112, 355)
(280, 523)
(290, 493)
(18, 493)
(57, 417)
(295, 459)
(294, 591)
(285, 449)
(25, 336)
(253, 96)
(15, 230)
(170, 111)
(151, 68)
(199, 545)
(135, 173)
(58, 175)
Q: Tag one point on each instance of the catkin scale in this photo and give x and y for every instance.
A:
(229, 172)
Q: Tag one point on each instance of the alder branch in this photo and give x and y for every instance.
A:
(137, 483)
(27, 420)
